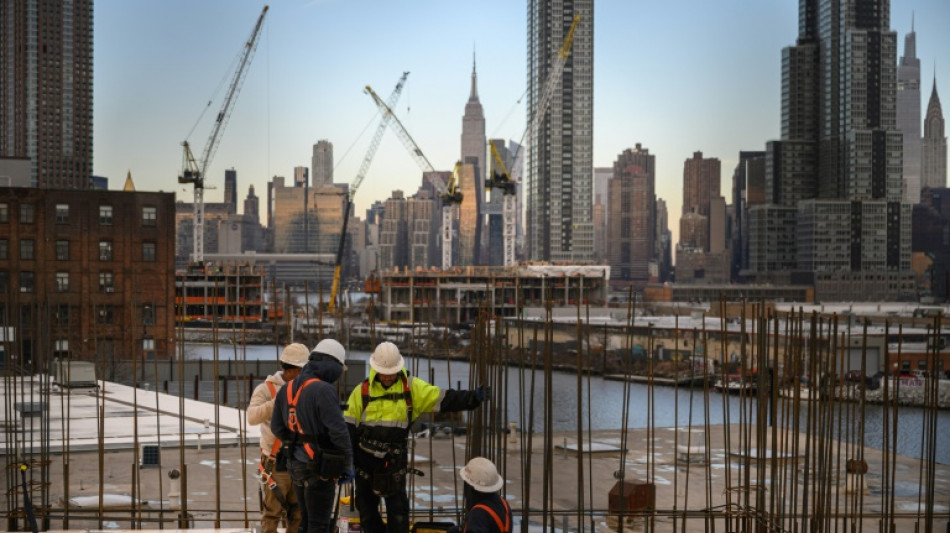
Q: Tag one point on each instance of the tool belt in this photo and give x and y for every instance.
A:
(327, 465)
(379, 449)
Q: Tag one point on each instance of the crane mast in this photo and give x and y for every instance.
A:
(503, 180)
(360, 175)
(450, 195)
(194, 171)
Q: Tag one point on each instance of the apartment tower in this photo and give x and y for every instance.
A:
(834, 215)
(46, 90)
(560, 156)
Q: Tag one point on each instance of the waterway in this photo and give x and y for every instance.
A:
(668, 406)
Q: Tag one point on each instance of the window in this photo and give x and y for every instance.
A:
(26, 214)
(62, 213)
(62, 281)
(62, 315)
(61, 346)
(106, 282)
(4, 249)
(105, 314)
(26, 249)
(148, 252)
(149, 215)
(4, 212)
(105, 215)
(62, 250)
(4, 282)
(148, 315)
(26, 281)
(105, 250)
(148, 344)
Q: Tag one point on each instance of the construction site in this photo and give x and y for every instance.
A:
(798, 451)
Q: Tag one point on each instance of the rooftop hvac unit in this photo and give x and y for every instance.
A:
(150, 456)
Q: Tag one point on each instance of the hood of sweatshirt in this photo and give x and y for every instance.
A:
(327, 370)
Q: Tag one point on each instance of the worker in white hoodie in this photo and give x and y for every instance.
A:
(279, 502)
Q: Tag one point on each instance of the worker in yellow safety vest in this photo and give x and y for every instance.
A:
(379, 414)
(279, 502)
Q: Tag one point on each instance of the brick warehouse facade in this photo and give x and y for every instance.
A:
(87, 275)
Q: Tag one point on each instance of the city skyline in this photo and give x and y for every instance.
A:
(306, 79)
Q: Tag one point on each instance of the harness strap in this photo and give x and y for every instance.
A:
(503, 528)
(292, 422)
(393, 396)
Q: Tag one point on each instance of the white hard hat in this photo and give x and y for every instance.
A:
(386, 359)
(332, 348)
(295, 354)
(482, 475)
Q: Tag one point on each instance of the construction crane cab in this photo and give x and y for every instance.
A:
(452, 195)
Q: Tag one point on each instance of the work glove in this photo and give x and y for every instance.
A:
(347, 476)
(483, 393)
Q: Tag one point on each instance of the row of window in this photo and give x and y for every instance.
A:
(28, 281)
(63, 314)
(28, 214)
(28, 250)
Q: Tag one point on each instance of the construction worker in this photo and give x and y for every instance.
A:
(379, 413)
(308, 419)
(279, 502)
(487, 511)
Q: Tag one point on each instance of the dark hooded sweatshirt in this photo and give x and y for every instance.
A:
(318, 411)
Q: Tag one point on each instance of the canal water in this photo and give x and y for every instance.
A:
(671, 407)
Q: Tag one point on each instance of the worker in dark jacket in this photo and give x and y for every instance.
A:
(487, 511)
(307, 418)
(379, 413)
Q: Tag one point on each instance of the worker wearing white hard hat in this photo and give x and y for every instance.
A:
(380, 412)
(487, 511)
(307, 415)
(279, 502)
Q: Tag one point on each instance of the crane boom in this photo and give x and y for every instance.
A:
(193, 171)
(449, 193)
(364, 168)
(504, 181)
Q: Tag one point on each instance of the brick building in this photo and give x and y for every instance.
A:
(86, 274)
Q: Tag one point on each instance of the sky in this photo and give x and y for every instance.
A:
(678, 77)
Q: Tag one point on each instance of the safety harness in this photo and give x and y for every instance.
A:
(292, 422)
(266, 466)
(503, 528)
(394, 396)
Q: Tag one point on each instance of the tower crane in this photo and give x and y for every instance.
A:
(193, 171)
(450, 195)
(364, 168)
(503, 180)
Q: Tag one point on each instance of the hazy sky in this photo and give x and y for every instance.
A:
(676, 76)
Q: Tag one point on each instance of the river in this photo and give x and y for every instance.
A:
(671, 407)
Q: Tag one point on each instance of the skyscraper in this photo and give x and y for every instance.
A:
(934, 145)
(322, 163)
(560, 156)
(631, 230)
(230, 190)
(473, 153)
(908, 115)
(46, 90)
(833, 213)
(302, 177)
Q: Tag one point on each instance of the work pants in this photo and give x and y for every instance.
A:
(316, 496)
(272, 512)
(367, 503)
